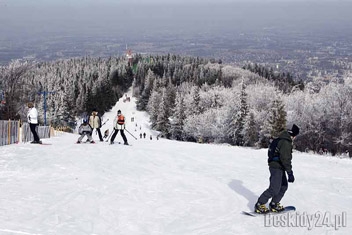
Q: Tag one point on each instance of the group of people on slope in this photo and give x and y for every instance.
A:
(85, 129)
(94, 122)
(278, 167)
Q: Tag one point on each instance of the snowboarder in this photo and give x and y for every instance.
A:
(95, 122)
(85, 130)
(119, 125)
(32, 117)
(277, 167)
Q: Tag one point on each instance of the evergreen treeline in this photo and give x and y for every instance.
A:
(190, 98)
(284, 81)
(73, 87)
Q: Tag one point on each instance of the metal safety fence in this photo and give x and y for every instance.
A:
(42, 131)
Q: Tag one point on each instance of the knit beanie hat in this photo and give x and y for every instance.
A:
(294, 130)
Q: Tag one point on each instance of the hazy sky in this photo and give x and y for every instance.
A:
(40, 17)
(89, 2)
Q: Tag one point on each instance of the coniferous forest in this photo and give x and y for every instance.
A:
(188, 98)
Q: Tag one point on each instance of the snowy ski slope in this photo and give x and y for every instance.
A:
(161, 187)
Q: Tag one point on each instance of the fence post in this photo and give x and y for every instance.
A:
(18, 131)
(9, 132)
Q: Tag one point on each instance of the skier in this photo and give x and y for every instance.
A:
(95, 123)
(32, 117)
(277, 167)
(119, 125)
(85, 130)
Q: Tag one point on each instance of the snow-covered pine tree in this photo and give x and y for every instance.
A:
(274, 124)
(154, 103)
(250, 130)
(277, 118)
(238, 121)
(148, 85)
(178, 117)
(163, 123)
(195, 102)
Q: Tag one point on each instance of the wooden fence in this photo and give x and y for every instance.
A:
(9, 132)
(12, 132)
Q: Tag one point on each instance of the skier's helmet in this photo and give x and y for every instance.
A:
(85, 120)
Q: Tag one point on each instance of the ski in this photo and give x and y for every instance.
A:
(40, 143)
(119, 143)
(254, 214)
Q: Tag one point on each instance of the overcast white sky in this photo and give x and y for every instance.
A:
(180, 17)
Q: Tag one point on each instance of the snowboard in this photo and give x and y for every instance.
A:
(254, 214)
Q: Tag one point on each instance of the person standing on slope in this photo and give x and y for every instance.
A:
(95, 123)
(119, 125)
(32, 117)
(278, 167)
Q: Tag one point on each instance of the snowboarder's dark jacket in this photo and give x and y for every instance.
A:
(285, 150)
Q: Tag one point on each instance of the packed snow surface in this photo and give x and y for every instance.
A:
(162, 187)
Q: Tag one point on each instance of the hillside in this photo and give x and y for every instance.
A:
(159, 187)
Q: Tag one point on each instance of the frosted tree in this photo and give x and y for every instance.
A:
(170, 97)
(143, 100)
(178, 118)
(163, 120)
(154, 103)
(12, 78)
(274, 124)
(277, 118)
(194, 107)
(237, 121)
(250, 130)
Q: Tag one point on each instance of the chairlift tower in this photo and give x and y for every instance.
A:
(45, 93)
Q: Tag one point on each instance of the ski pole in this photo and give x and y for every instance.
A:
(110, 135)
(130, 134)
(104, 123)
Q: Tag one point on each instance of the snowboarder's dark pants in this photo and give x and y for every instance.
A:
(122, 134)
(34, 131)
(277, 188)
(99, 133)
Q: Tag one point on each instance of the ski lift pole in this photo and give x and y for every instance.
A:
(44, 93)
(130, 134)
